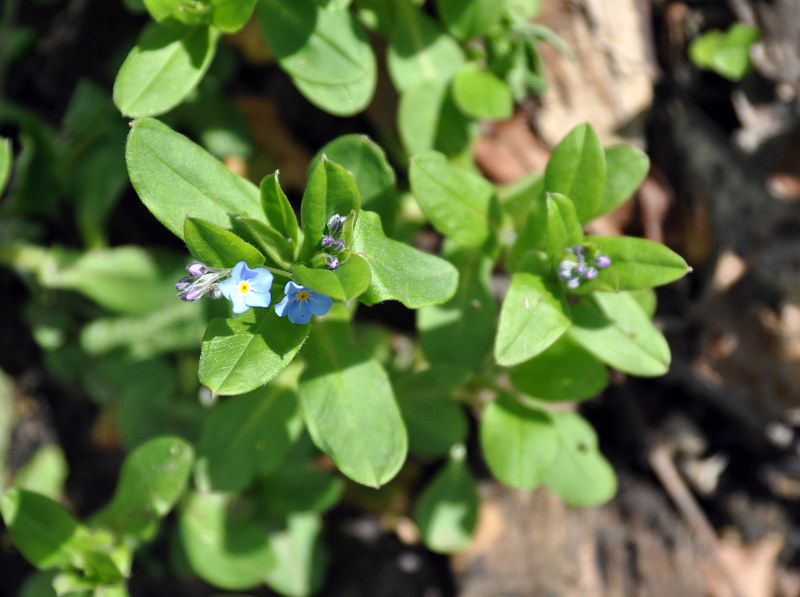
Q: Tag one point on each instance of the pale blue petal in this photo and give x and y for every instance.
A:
(299, 312)
(257, 299)
(239, 304)
(280, 308)
(319, 303)
(229, 288)
(236, 273)
(261, 280)
(291, 289)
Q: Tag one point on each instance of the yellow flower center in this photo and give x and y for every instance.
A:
(244, 287)
(302, 295)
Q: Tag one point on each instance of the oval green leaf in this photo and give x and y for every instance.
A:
(636, 263)
(563, 228)
(179, 12)
(301, 559)
(243, 353)
(165, 65)
(460, 331)
(470, 18)
(434, 419)
(564, 371)
(531, 319)
(42, 530)
(366, 161)
(615, 329)
(399, 271)
(231, 15)
(577, 169)
(362, 431)
(216, 247)
(276, 247)
(152, 479)
(627, 169)
(519, 443)
(456, 202)
(326, 53)
(482, 94)
(225, 541)
(247, 436)
(447, 509)
(331, 190)
(175, 177)
(580, 474)
(349, 280)
(277, 208)
(419, 49)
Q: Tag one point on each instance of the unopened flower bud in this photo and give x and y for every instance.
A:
(196, 269)
(332, 262)
(339, 245)
(335, 224)
(602, 261)
(327, 240)
(591, 273)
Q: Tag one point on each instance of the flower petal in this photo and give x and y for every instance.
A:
(299, 312)
(291, 289)
(280, 308)
(261, 280)
(239, 304)
(257, 299)
(319, 303)
(229, 288)
(237, 271)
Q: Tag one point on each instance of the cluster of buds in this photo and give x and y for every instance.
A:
(332, 241)
(201, 281)
(581, 263)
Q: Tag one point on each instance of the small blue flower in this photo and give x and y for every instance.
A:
(247, 287)
(300, 303)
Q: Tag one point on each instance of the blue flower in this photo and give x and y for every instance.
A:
(247, 287)
(300, 303)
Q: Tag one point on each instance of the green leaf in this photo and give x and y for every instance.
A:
(326, 53)
(563, 228)
(456, 202)
(278, 249)
(123, 279)
(614, 329)
(301, 560)
(428, 118)
(276, 206)
(519, 443)
(627, 169)
(419, 49)
(331, 190)
(564, 371)
(225, 541)
(366, 162)
(434, 419)
(579, 472)
(38, 584)
(44, 473)
(175, 177)
(727, 54)
(399, 271)
(349, 280)
(153, 477)
(482, 94)
(180, 12)
(460, 331)
(635, 263)
(517, 198)
(577, 169)
(231, 15)
(295, 488)
(470, 18)
(6, 162)
(531, 319)
(362, 431)
(163, 68)
(242, 353)
(217, 247)
(249, 435)
(447, 509)
(42, 530)
(522, 10)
